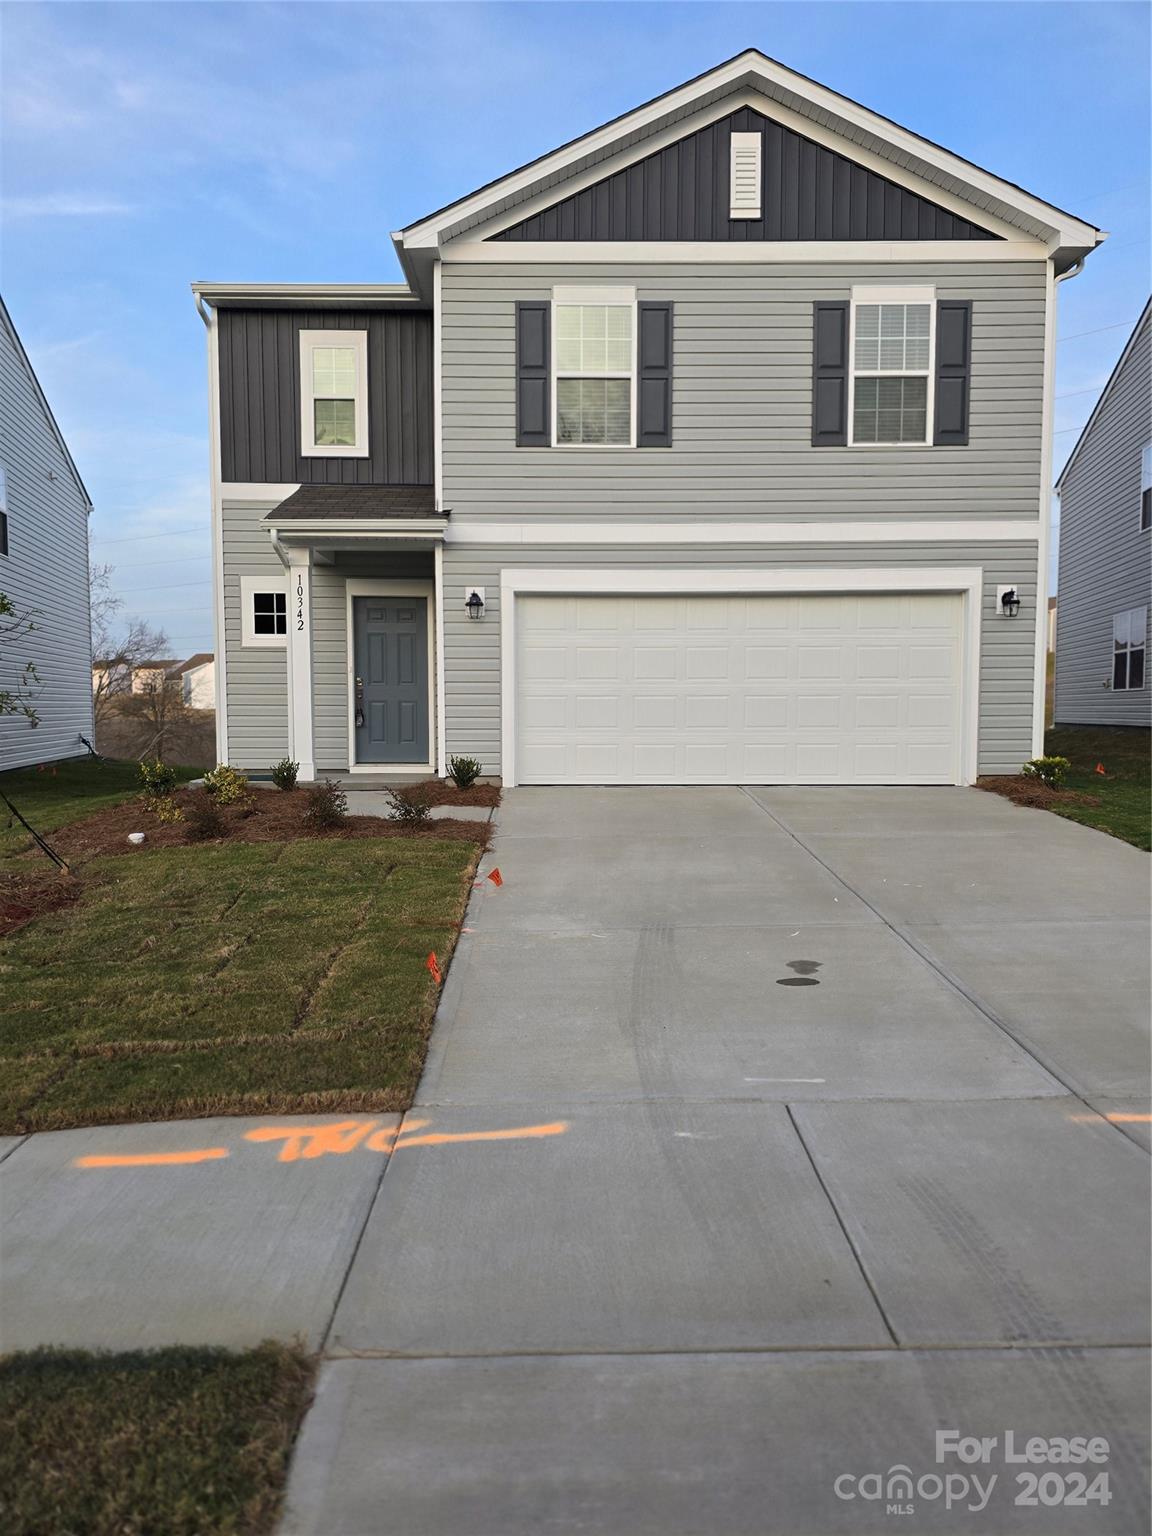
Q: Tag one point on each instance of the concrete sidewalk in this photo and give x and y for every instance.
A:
(763, 1133)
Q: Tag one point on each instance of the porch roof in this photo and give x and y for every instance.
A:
(330, 517)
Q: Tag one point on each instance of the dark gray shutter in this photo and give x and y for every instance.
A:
(953, 371)
(654, 385)
(533, 396)
(830, 373)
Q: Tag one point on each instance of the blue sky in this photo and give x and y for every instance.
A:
(147, 145)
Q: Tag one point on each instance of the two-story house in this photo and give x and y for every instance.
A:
(45, 626)
(1106, 551)
(712, 447)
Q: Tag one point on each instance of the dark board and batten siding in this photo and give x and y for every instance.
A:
(682, 193)
(260, 398)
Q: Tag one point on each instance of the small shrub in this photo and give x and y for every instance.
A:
(164, 808)
(1049, 770)
(227, 786)
(284, 773)
(202, 819)
(409, 802)
(327, 804)
(157, 777)
(464, 771)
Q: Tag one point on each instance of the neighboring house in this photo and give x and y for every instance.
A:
(151, 674)
(44, 511)
(712, 447)
(126, 678)
(197, 679)
(1105, 493)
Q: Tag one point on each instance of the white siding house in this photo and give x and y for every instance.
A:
(1106, 551)
(43, 570)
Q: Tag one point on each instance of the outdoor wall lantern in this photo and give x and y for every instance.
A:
(474, 602)
(1008, 602)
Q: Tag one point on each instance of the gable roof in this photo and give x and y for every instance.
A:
(1067, 237)
(53, 425)
(1106, 391)
(201, 659)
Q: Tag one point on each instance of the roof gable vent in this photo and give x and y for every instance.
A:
(745, 172)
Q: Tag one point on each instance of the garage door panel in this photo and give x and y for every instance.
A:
(862, 688)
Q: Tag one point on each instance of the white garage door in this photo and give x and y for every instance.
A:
(739, 690)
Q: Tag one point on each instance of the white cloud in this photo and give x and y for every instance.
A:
(63, 205)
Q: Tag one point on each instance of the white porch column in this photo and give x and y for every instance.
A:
(441, 758)
(300, 744)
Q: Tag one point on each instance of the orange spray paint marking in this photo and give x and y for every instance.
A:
(383, 1141)
(517, 1133)
(432, 966)
(152, 1159)
(313, 1140)
(496, 877)
(1119, 1119)
(1101, 769)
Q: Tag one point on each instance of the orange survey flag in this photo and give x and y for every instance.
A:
(496, 877)
(1101, 769)
(433, 966)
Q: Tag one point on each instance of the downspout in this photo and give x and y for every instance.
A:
(208, 316)
(1040, 653)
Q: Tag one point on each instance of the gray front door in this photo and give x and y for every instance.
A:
(391, 679)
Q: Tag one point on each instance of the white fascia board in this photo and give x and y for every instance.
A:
(304, 293)
(825, 252)
(256, 491)
(364, 527)
(547, 532)
(748, 69)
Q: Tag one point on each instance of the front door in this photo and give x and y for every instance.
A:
(390, 694)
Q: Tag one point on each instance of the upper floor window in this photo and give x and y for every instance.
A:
(1146, 488)
(3, 511)
(891, 375)
(594, 347)
(1129, 630)
(334, 394)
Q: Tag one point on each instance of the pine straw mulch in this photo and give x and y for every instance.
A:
(273, 816)
(444, 792)
(26, 896)
(1024, 789)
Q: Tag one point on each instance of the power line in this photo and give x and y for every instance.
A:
(140, 565)
(169, 533)
(1071, 393)
(1117, 326)
(170, 587)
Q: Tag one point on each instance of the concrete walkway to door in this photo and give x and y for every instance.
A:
(839, 1106)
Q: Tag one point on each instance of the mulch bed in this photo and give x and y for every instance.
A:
(444, 792)
(1023, 789)
(273, 816)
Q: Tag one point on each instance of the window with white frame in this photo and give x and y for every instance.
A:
(892, 349)
(1129, 630)
(1146, 488)
(264, 611)
(594, 352)
(334, 394)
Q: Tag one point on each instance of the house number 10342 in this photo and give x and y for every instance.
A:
(300, 603)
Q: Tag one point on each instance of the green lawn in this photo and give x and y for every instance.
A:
(1124, 790)
(230, 979)
(79, 787)
(170, 1442)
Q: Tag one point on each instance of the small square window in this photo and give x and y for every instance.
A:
(1146, 488)
(269, 613)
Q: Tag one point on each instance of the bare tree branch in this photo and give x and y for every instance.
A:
(15, 626)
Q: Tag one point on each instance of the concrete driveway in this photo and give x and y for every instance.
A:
(837, 1100)
(764, 1133)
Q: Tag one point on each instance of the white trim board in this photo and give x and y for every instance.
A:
(966, 580)
(382, 587)
(217, 515)
(547, 532)
(555, 253)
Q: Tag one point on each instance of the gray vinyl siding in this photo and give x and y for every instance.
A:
(682, 193)
(742, 400)
(256, 685)
(1105, 557)
(260, 397)
(45, 574)
(472, 650)
(255, 677)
